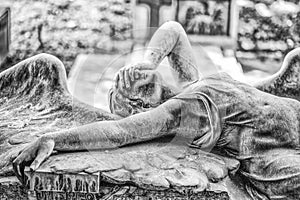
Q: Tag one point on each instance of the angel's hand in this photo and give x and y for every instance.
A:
(131, 73)
(33, 155)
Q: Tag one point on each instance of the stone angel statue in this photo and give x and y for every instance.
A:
(256, 125)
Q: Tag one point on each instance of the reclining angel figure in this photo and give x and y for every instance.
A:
(258, 125)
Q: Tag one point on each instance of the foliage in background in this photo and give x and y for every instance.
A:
(269, 28)
(65, 28)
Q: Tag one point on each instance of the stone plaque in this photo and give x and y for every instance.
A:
(207, 22)
(212, 22)
(149, 14)
(4, 32)
(204, 17)
(46, 185)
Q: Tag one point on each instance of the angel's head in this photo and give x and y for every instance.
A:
(145, 93)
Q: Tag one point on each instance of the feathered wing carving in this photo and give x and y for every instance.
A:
(286, 82)
(34, 99)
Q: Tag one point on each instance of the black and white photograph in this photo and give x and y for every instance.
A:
(149, 99)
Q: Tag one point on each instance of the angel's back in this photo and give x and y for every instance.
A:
(259, 129)
(258, 120)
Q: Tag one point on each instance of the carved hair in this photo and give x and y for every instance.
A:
(136, 104)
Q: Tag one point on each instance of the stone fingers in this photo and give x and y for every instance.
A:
(20, 162)
(116, 80)
(32, 155)
(121, 79)
(124, 78)
(127, 78)
(132, 73)
(44, 152)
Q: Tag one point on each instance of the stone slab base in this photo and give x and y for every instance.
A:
(11, 189)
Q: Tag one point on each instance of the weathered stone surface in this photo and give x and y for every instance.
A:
(285, 82)
(157, 165)
(34, 100)
(11, 189)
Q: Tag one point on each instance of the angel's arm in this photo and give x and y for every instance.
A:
(102, 135)
(111, 134)
(171, 41)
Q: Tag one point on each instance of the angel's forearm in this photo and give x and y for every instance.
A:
(112, 134)
(162, 43)
(97, 135)
(159, 47)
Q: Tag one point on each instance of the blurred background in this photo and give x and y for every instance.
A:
(267, 29)
(66, 28)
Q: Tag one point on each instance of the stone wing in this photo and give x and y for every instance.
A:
(286, 82)
(34, 99)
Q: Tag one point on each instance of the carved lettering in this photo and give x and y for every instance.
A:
(78, 183)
